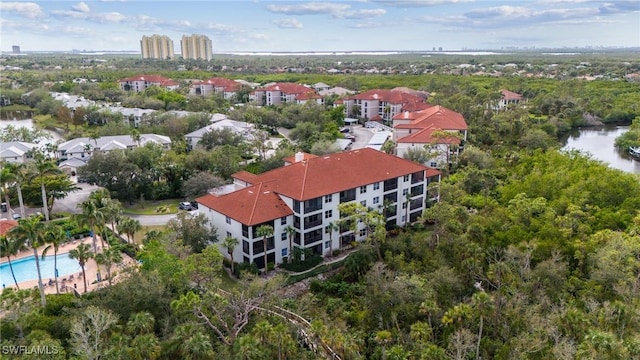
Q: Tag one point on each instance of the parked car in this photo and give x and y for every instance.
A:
(185, 206)
(16, 216)
(350, 137)
(194, 204)
(345, 130)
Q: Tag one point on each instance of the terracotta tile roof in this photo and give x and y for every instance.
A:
(291, 159)
(250, 206)
(288, 88)
(509, 95)
(424, 136)
(228, 85)
(333, 173)
(308, 96)
(156, 79)
(390, 96)
(435, 116)
(6, 225)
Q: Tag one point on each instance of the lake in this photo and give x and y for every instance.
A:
(599, 141)
(28, 123)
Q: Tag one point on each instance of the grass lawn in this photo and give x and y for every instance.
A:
(160, 207)
(226, 282)
(140, 234)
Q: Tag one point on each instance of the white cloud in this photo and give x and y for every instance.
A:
(362, 14)
(312, 8)
(148, 23)
(112, 17)
(81, 7)
(418, 3)
(28, 9)
(76, 31)
(288, 24)
(221, 28)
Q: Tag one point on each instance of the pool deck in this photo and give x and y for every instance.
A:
(70, 281)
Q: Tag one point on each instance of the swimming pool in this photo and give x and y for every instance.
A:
(25, 268)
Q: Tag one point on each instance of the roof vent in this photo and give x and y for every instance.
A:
(406, 114)
(375, 96)
(299, 156)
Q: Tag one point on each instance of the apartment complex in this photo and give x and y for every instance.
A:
(304, 195)
(156, 47)
(142, 82)
(216, 85)
(381, 105)
(196, 47)
(277, 93)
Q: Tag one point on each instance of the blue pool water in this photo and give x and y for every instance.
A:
(25, 268)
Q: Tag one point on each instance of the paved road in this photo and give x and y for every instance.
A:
(362, 134)
(147, 220)
(70, 203)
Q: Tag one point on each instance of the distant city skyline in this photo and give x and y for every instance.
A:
(287, 26)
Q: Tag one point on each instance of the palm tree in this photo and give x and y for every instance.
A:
(265, 231)
(230, 244)
(19, 174)
(54, 236)
(42, 167)
(290, 234)
(140, 323)
(82, 253)
(112, 210)
(108, 257)
(31, 230)
(11, 246)
(129, 226)
(6, 179)
(331, 227)
(92, 217)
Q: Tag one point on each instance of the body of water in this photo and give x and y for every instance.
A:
(599, 142)
(28, 123)
(25, 268)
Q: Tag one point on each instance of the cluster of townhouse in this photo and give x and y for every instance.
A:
(302, 197)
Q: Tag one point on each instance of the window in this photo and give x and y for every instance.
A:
(403, 218)
(391, 184)
(363, 232)
(245, 231)
(376, 186)
(376, 199)
(404, 205)
(363, 202)
(312, 236)
(283, 220)
(406, 178)
(391, 197)
(284, 252)
(433, 164)
(326, 230)
(245, 247)
(312, 220)
(296, 206)
(228, 234)
(363, 189)
(283, 236)
(347, 195)
(313, 205)
(417, 190)
(328, 198)
(328, 214)
(327, 244)
(228, 220)
(405, 192)
(417, 177)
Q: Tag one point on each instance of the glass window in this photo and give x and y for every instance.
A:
(283, 236)
(327, 244)
(328, 198)
(328, 214)
(228, 234)
(406, 178)
(376, 186)
(228, 220)
(283, 220)
(363, 202)
(363, 189)
(376, 199)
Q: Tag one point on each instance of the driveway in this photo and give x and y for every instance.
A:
(362, 134)
(70, 202)
(147, 220)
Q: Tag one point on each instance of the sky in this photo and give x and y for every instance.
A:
(292, 26)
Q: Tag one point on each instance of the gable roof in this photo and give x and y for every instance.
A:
(436, 116)
(6, 225)
(15, 148)
(250, 206)
(116, 141)
(510, 95)
(323, 175)
(288, 88)
(228, 85)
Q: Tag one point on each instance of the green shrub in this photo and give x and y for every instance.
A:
(308, 263)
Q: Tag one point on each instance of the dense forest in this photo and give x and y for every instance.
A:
(531, 253)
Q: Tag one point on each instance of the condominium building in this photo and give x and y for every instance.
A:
(156, 47)
(196, 47)
(304, 196)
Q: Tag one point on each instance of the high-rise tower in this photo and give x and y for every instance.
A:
(196, 47)
(156, 47)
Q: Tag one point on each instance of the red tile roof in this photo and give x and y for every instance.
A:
(250, 206)
(308, 96)
(436, 116)
(425, 136)
(288, 88)
(228, 85)
(291, 159)
(509, 95)
(390, 96)
(156, 79)
(6, 225)
(333, 173)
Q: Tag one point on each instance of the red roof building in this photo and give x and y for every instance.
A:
(381, 104)
(6, 225)
(216, 85)
(284, 92)
(305, 195)
(508, 98)
(424, 127)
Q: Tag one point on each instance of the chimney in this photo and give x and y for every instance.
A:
(299, 156)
